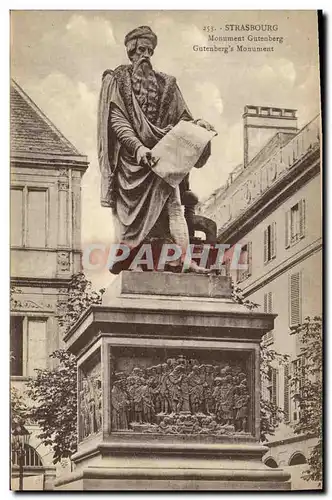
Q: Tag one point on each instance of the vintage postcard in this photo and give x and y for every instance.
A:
(166, 251)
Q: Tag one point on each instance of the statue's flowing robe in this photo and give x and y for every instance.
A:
(134, 192)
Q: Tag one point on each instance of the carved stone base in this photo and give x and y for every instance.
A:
(169, 466)
(169, 388)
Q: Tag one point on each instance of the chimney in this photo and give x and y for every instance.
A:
(261, 123)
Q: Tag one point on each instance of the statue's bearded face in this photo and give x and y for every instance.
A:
(140, 55)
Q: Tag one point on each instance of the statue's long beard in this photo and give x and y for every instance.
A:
(145, 87)
(142, 67)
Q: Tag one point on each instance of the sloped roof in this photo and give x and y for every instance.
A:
(31, 131)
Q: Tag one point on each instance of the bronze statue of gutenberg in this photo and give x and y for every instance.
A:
(137, 107)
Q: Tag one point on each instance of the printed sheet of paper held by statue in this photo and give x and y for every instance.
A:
(179, 151)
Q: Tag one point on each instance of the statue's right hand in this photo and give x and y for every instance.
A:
(144, 157)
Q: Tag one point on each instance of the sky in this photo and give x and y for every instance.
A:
(58, 58)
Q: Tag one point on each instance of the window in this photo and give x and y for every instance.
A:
(36, 218)
(16, 345)
(295, 299)
(272, 386)
(270, 242)
(295, 223)
(297, 368)
(36, 346)
(31, 458)
(27, 345)
(268, 302)
(274, 377)
(29, 217)
(286, 393)
(268, 338)
(16, 217)
(246, 261)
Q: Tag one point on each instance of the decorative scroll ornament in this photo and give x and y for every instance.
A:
(181, 396)
(26, 304)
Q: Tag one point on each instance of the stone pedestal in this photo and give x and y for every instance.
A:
(169, 388)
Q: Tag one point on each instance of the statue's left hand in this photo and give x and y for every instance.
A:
(205, 124)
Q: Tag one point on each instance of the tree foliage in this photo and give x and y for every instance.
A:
(19, 409)
(53, 392)
(270, 413)
(307, 391)
(80, 297)
(238, 297)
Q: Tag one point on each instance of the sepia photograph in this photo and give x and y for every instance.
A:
(166, 250)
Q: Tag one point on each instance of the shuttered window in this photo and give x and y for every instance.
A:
(273, 240)
(274, 394)
(245, 261)
(295, 299)
(286, 394)
(287, 229)
(295, 222)
(268, 302)
(266, 245)
(302, 218)
(273, 388)
(268, 338)
(298, 374)
(270, 242)
(272, 385)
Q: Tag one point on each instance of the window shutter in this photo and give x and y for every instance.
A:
(274, 386)
(265, 302)
(302, 218)
(269, 302)
(294, 300)
(286, 394)
(249, 258)
(273, 240)
(266, 243)
(302, 372)
(287, 229)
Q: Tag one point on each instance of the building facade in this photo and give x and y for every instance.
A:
(46, 172)
(271, 206)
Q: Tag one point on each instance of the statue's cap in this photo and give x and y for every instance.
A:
(142, 32)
